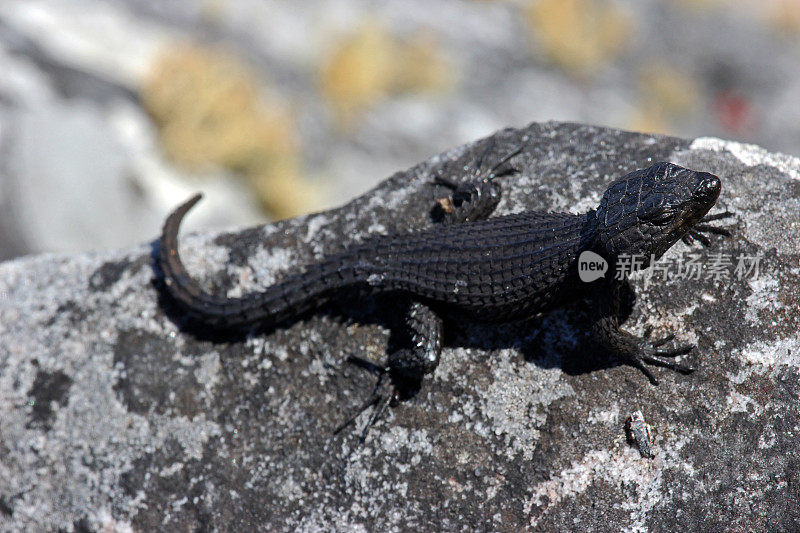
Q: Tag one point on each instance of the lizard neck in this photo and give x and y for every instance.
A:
(590, 234)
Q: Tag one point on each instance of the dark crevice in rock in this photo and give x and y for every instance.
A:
(47, 388)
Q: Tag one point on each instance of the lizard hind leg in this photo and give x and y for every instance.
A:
(401, 377)
(477, 197)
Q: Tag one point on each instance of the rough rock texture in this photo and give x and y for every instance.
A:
(112, 417)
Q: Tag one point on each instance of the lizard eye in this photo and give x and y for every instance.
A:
(660, 217)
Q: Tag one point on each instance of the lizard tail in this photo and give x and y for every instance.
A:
(294, 295)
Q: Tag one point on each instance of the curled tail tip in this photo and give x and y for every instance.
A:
(188, 204)
(177, 215)
(169, 232)
(169, 258)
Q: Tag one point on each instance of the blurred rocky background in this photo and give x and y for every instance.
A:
(112, 112)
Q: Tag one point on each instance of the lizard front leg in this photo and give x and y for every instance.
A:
(628, 348)
(699, 231)
(401, 376)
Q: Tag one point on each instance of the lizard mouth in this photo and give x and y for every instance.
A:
(703, 198)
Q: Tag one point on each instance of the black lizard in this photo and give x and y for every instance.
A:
(499, 269)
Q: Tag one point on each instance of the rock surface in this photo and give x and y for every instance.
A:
(112, 418)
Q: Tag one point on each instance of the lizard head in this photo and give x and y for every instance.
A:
(647, 211)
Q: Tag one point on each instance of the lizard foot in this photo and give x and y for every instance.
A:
(476, 197)
(384, 394)
(469, 201)
(652, 352)
(700, 230)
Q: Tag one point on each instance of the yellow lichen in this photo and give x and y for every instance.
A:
(421, 66)
(669, 88)
(579, 36)
(649, 120)
(666, 94)
(359, 71)
(784, 16)
(210, 112)
(370, 64)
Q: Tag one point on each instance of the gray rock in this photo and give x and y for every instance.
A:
(111, 417)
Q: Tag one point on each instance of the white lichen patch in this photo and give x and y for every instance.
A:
(396, 438)
(517, 401)
(586, 203)
(451, 364)
(767, 358)
(268, 265)
(641, 478)
(605, 415)
(750, 154)
(318, 234)
(207, 373)
(765, 297)
(313, 226)
(741, 403)
(392, 200)
(202, 257)
(190, 433)
(376, 228)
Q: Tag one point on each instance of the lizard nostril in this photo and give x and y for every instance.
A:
(710, 186)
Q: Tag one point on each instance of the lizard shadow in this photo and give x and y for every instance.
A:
(559, 338)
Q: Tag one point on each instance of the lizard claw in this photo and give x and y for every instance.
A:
(656, 342)
(700, 230)
(383, 395)
(469, 201)
(662, 341)
(650, 353)
(717, 216)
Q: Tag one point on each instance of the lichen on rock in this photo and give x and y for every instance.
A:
(113, 417)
